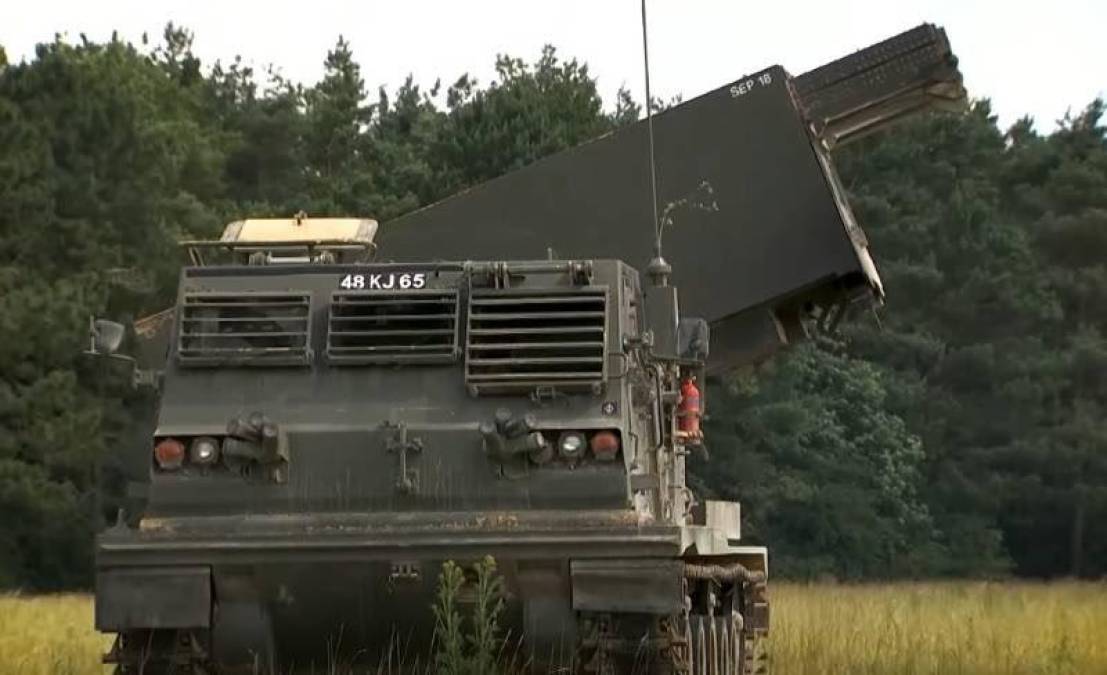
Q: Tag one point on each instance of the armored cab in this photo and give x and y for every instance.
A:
(336, 421)
(330, 431)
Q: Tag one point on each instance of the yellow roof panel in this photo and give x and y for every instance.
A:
(302, 229)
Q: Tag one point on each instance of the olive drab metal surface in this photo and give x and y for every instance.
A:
(778, 240)
(342, 408)
(775, 228)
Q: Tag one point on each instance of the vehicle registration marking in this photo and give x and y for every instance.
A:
(384, 282)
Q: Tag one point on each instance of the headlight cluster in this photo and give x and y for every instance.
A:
(573, 445)
(170, 454)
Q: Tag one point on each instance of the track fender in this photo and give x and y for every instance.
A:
(648, 586)
(153, 597)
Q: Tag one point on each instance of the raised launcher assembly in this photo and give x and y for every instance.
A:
(866, 91)
(332, 427)
(779, 244)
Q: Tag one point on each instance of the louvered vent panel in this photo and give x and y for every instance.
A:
(380, 327)
(528, 339)
(244, 329)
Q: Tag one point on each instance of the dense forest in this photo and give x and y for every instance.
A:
(960, 431)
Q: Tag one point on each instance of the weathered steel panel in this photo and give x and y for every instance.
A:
(631, 585)
(778, 229)
(781, 236)
(782, 240)
(310, 538)
(153, 597)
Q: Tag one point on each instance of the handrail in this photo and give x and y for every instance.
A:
(193, 246)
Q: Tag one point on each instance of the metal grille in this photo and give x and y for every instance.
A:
(528, 339)
(249, 328)
(388, 327)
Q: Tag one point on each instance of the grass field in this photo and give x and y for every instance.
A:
(932, 628)
(49, 635)
(946, 628)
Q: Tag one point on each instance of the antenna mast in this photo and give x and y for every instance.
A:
(649, 127)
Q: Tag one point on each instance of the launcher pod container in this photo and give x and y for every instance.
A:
(335, 422)
(756, 223)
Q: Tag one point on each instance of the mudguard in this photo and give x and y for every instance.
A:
(153, 597)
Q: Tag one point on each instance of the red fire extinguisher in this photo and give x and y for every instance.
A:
(689, 410)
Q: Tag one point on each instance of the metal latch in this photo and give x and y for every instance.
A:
(400, 443)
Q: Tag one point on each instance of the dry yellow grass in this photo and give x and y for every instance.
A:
(49, 635)
(890, 629)
(940, 629)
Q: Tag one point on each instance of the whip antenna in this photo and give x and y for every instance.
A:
(649, 128)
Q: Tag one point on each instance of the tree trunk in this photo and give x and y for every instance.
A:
(1076, 541)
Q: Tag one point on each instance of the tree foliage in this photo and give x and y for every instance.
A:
(827, 474)
(993, 248)
(962, 433)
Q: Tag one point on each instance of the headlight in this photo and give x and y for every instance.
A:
(571, 444)
(204, 451)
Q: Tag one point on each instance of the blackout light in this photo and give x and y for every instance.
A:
(605, 446)
(169, 453)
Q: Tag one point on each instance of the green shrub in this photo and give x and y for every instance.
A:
(476, 651)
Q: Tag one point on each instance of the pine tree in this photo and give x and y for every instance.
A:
(339, 179)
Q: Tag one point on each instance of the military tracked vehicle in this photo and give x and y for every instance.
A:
(513, 373)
